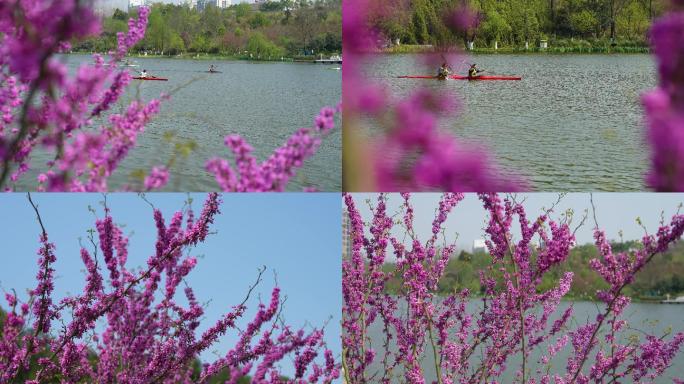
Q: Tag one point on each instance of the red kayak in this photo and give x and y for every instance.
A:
(150, 78)
(458, 77)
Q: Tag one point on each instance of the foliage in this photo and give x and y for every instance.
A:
(514, 22)
(177, 29)
(260, 47)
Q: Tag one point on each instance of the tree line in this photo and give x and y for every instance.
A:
(515, 22)
(274, 29)
(663, 276)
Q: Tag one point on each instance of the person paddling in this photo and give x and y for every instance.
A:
(212, 69)
(473, 71)
(444, 71)
(144, 74)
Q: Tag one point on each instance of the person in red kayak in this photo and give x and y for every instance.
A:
(473, 71)
(444, 71)
(144, 74)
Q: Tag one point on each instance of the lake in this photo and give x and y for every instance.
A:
(574, 122)
(654, 318)
(265, 102)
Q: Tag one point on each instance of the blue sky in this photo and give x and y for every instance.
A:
(615, 212)
(296, 235)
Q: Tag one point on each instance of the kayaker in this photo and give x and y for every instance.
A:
(144, 74)
(473, 71)
(212, 68)
(444, 71)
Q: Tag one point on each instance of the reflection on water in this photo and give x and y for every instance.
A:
(263, 102)
(574, 123)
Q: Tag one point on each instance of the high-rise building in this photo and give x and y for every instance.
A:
(224, 3)
(346, 236)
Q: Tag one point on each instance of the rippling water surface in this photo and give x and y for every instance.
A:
(263, 102)
(574, 123)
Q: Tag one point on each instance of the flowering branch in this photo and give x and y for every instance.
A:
(274, 173)
(517, 310)
(148, 336)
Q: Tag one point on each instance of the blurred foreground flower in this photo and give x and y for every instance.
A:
(413, 153)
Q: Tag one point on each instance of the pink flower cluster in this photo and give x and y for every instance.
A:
(44, 108)
(274, 173)
(413, 154)
(70, 117)
(143, 334)
(665, 105)
(515, 315)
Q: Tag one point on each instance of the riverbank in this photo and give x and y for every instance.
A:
(575, 49)
(213, 57)
(569, 298)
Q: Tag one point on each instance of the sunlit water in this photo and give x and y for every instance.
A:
(574, 123)
(651, 318)
(263, 102)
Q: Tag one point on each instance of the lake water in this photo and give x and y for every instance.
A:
(263, 102)
(574, 123)
(652, 318)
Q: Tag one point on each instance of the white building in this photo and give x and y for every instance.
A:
(135, 3)
(224, 3)
(479, 245)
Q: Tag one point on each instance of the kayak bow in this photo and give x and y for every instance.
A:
(150, 78)
(458, 77)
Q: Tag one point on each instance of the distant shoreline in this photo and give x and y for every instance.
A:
(206, 57)
(566, 298)
(414, 49)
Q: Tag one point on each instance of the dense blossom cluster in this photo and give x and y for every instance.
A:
(515, 315)
(127, 325)
(665, 105)
(273, 174)
(414, 153)
(46, 109)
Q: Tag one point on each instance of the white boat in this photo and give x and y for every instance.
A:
(335, 59)
(678, 300)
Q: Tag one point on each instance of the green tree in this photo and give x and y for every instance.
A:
(260, 47)
(258, 20)
(119, 15)
(584, 22)
(495, 26)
